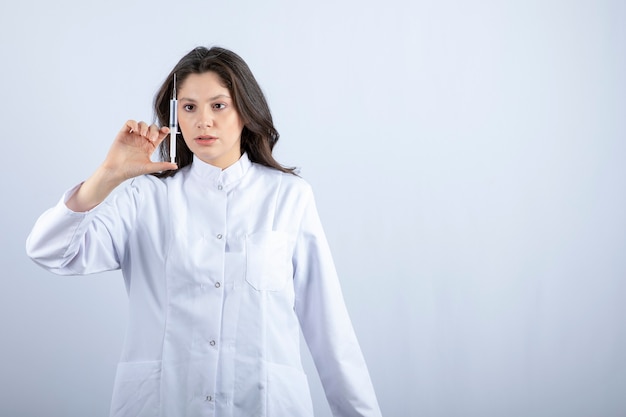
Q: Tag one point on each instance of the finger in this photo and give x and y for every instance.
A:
(153, 133)
(143, 129)
(129, 127)
(161, 135)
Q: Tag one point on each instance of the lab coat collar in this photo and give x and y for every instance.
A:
(210, 173)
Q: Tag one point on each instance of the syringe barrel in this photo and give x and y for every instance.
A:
(173, 128)
(173, 114)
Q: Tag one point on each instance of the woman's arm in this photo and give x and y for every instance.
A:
(80, 235)
(326, 324)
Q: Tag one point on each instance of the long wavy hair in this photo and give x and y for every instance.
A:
(258, 137)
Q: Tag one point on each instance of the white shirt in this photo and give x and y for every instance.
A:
(222, 269)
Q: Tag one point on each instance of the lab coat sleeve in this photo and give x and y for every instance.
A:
(326, 325)
(72, 243)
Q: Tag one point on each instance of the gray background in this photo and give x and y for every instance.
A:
(468, 159)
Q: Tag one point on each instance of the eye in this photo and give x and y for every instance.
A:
(219, 106)
(189, 107)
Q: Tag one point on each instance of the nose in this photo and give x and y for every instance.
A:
(206, 120)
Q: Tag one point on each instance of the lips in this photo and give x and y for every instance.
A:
(205, 139)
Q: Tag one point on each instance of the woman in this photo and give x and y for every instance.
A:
(223, 256)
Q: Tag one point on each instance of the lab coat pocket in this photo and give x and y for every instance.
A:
(268, 260)
(287, 392)
(136, 390)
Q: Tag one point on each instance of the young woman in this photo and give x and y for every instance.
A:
(223, 256)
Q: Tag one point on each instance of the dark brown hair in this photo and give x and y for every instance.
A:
(259, 134)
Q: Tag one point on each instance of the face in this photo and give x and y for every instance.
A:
(209, 120)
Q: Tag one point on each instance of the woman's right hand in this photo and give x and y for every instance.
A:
(128, 157)
(131, 150)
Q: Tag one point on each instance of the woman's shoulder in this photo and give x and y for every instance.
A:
(291, 181)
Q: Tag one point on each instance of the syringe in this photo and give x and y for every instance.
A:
(173, 123)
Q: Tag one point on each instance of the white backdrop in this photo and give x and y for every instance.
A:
(468, 159)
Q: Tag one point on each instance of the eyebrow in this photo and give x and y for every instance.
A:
(210, 99)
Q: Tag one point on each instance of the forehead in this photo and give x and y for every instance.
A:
(206, 83)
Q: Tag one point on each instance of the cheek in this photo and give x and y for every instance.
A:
(185, 125)
(184, 130)
(235, 124)
(184, 122)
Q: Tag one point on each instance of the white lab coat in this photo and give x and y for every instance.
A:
(222, 268)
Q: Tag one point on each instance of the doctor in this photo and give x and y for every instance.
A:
(223, 256)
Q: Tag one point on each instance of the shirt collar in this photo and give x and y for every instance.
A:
(210, 173)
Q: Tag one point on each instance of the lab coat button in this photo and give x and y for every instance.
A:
(217, 285)
(212, 343)
(219, 187)
(208, 398)
(219, 236)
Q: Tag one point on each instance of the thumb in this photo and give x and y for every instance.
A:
(153, 167)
